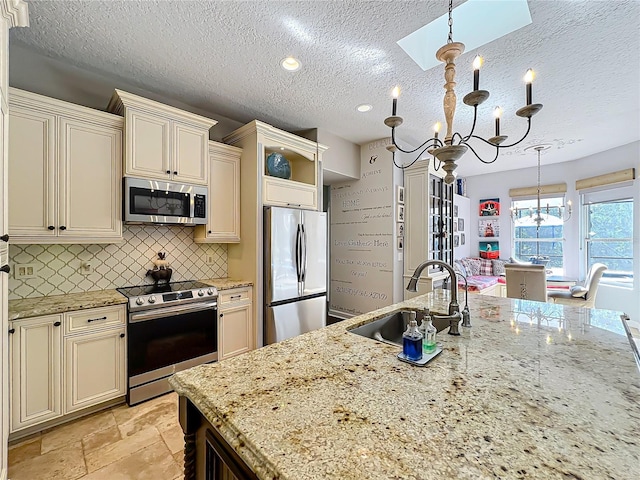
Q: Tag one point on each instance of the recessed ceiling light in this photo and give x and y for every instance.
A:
(290, 64)
(365, 107)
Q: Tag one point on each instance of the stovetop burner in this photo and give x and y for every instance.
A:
(161, 288)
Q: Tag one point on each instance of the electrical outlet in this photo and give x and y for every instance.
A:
(86, 268)
(25, 270)
(209, 259)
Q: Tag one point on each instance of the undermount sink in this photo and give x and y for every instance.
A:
(389, 329)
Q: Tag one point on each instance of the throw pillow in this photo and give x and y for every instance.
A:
(471, 265)
(486, 268)
(498, 267)
(578, 291)
(459, 268)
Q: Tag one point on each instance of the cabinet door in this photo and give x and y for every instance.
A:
(32, 191)
(286, 193)
(235, 330)
(35, 371)
(94, 368)
(89, 181)
(224, 199)
(190, 148)
(147, 145)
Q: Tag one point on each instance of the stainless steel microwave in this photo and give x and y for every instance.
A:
(158, 202)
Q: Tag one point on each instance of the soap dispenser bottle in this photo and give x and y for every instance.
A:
(429, 336)
(412, 342)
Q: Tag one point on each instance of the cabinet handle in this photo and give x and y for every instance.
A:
(12, 331)
(168, 172)
(122, 335)
(175, 172)
(294, 204)
(96, 319)
(4, 238)
(51, 227)
(5, 269)
(221, 315)
(63, 228)
(57, 324)
(236, 296)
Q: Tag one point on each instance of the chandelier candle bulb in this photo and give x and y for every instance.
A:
(436, 130)
(477, 63)
(497, 112)
(528, 79)
(396, 94)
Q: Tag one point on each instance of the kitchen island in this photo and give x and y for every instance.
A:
(532, 390)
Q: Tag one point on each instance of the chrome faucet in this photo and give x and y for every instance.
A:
(454, 316)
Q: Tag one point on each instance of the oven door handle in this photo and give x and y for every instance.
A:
(167, 311)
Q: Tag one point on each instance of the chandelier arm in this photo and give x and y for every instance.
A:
(402, 167)
(436, 143)
(473, 127)
(504, 146)
(478, 156)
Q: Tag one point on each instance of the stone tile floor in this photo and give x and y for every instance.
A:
(143, 442)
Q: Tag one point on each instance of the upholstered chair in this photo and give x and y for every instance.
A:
(526, 282)
(581, 295)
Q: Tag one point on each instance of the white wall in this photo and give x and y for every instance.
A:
(498, 184)
(464, 212)
(341, 162)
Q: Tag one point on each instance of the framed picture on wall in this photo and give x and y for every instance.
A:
(489, 207)
(456, 240)
(462, 239)
(400, 229)
(461, 224)
(400, 217)
(400, 194)
(455, 210)
(400, 243)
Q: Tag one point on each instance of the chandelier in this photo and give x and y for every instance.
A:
(455, 145)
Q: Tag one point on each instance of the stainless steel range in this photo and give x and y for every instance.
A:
(171, 327)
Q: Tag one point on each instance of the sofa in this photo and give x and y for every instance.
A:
(485, 276)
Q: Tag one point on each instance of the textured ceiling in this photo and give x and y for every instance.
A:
(223, 57)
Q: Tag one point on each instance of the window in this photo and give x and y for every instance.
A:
(547, 240)
(609, 237)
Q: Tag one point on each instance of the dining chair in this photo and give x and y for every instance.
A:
(581, 295)
(526, 282)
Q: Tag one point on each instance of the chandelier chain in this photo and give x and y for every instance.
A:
(450, 39)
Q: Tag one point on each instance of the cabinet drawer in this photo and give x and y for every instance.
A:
(235, 295)
(94, 319)
(288, 193)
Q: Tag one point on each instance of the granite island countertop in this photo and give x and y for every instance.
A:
(53, 304)
(532, 390)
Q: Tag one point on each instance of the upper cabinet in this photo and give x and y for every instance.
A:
(223, 224)
(65, 172)
(163, 142)
(260, 140)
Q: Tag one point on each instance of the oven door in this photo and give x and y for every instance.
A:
(151, 201)
(167, 340)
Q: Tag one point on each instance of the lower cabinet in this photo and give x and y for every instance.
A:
(58, 368)
(235, 322)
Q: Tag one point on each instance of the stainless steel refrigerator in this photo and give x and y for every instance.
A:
(295, 272)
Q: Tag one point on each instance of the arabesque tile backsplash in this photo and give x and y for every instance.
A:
(114, 265)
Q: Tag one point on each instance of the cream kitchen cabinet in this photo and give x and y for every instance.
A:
(163, 142)
(36, 370)
(235, 320)
(62, 364)
(65, 172)
(223, 209)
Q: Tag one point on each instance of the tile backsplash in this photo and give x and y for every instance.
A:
(114, 265)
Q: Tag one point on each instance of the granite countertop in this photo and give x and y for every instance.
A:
(227, 283)
(50, 305)
(532, 390)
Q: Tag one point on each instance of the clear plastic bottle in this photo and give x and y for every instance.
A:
(429, 335)
(412, 342)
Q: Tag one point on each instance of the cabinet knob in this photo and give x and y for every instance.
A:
(63, 227)
(175, 172)
(221, 315)
(51, 227)
(4, 238)
(5, 269)
(12, 331)
(122, 335)
(209, 231)
(57, 324)
(168, 172)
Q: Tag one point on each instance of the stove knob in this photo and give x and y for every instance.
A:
(201, 293)
(210, 291)
(152, 299)
(139, 301)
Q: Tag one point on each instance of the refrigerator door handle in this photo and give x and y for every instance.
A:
(298, 255)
